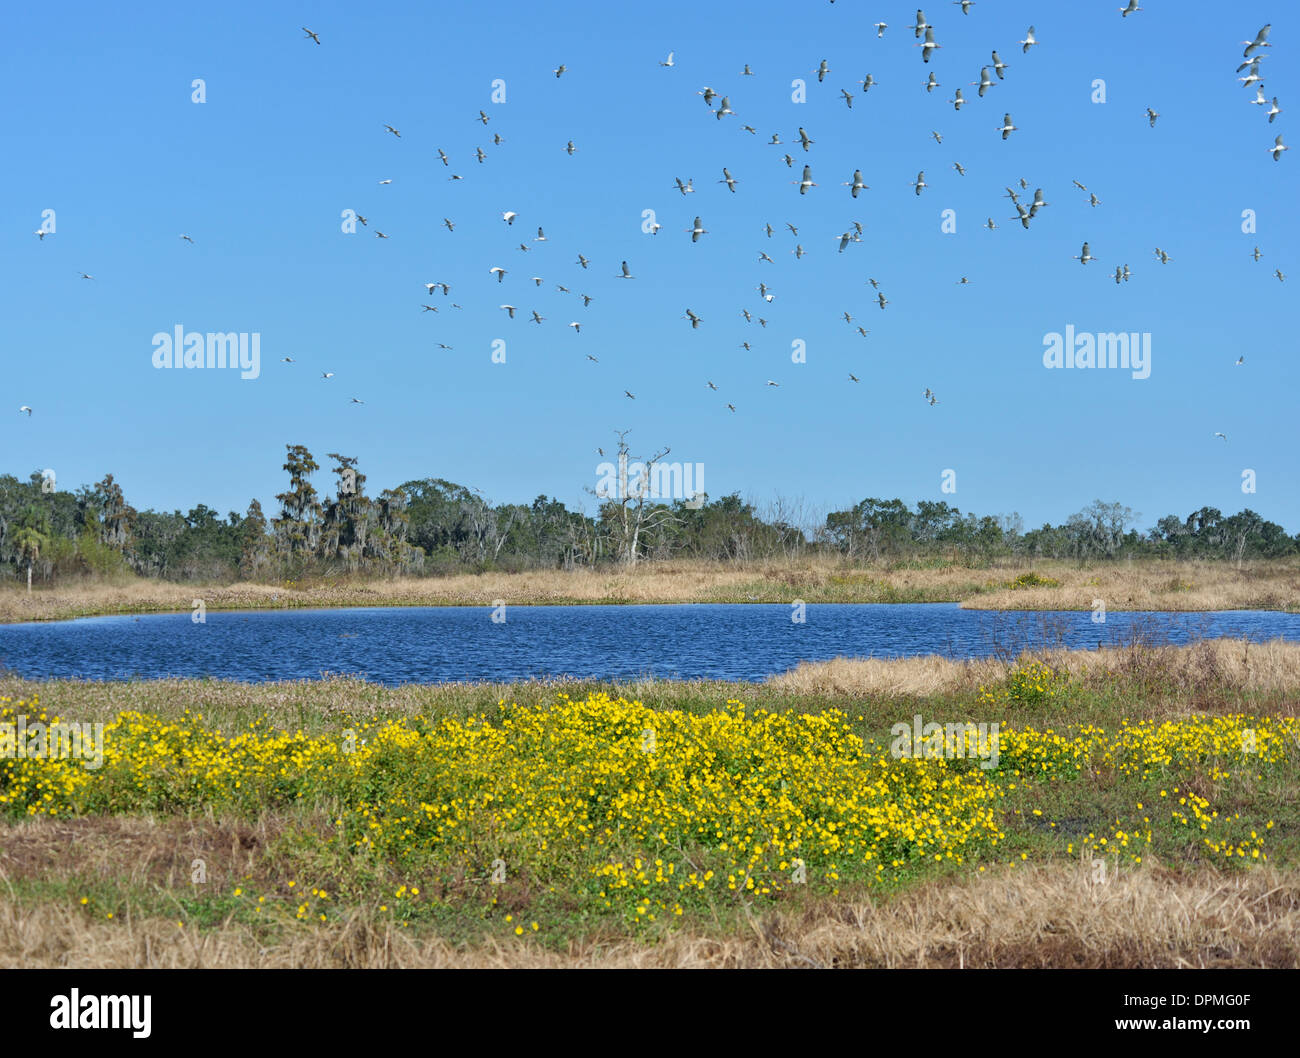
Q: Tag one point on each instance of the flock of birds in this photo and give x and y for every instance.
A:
(991, 76)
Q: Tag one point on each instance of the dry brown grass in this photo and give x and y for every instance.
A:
(1053, 916)
(1156, 586)
(1232, 665)
(153, 851)
(1126, 586)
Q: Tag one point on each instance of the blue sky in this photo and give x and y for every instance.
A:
(291, 134)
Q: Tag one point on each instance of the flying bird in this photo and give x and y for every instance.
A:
(1085, 255)
(1260, 41)
(1029, 40)
(316, 37)
(928, 45)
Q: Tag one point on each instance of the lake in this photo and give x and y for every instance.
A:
(434, 644)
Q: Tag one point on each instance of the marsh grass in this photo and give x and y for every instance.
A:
(1041, 916)
(1149, 585)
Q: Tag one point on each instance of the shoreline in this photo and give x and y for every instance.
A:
(1191, 587)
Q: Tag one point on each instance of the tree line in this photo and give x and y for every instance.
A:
(432, 526)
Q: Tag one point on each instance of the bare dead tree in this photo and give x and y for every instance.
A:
(626, 510)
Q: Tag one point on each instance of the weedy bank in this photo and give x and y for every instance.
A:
(341, 823)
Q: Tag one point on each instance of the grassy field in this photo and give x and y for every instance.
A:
(1047, 586)
(1144, 810)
